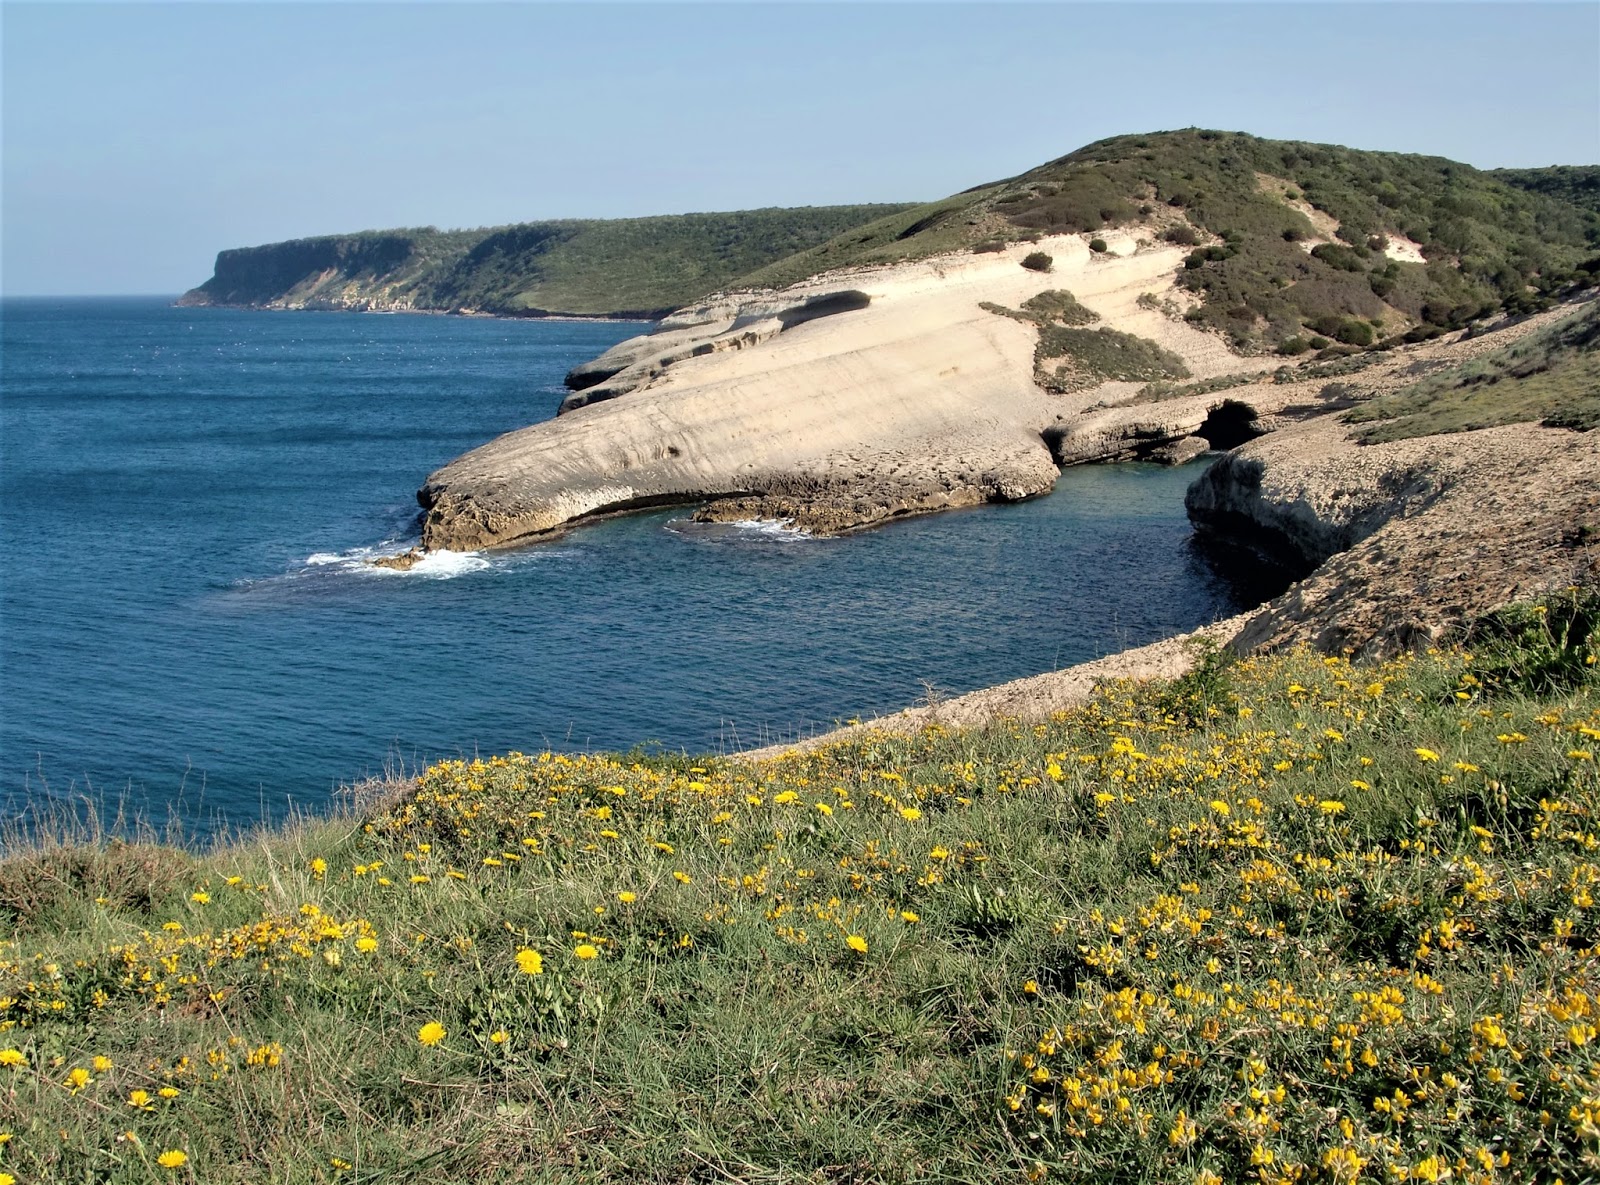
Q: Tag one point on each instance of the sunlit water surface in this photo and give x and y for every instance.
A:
(186, 622)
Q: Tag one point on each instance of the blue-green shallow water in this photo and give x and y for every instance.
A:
(185, 623)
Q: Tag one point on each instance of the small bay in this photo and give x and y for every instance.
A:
(187, 624)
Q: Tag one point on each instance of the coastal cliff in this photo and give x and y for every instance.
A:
(837, 403)
(624, 267)
(1121, 303)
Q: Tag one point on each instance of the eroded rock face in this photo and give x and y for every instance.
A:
(1405, 541)
(837, 403)
(637, 362)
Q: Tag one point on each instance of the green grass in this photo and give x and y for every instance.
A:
(1250, 925)
(1552, 376)
(633, 266)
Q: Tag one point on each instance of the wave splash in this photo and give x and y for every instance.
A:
(752, 530)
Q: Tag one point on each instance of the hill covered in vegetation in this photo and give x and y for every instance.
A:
(639, 267)
(1285, 919)
(1290, 240)
(1578, 185)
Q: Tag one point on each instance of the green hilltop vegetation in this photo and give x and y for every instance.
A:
(640, 267)
(1552, 376)
(1287, 919)
(1577, 185)
(1246, 206)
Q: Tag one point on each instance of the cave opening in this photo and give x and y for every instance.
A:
(1230, 424)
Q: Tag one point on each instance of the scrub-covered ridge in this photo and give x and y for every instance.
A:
(621, 267)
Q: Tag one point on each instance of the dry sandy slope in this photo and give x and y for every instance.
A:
(918, 401)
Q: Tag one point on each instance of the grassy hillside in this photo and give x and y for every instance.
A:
(632, 266)
(1251, 208)
(1552, 376)
(1286, 920)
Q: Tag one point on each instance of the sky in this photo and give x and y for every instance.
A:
(139, 140)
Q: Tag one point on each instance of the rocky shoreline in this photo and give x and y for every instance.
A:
(857, 398)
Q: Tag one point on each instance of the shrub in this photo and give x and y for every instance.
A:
(1060, 306)
(1294, 346)
(1335, 255)
(1096, 355)
(1098, 246)
(988, 247)
(1319, 343)
(1037, 261)
(1182, 235)
(1345, 329)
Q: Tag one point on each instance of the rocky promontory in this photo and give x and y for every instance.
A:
(839, 402)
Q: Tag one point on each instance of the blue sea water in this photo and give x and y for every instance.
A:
(186, 625)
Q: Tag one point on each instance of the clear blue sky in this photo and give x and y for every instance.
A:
(141, 139)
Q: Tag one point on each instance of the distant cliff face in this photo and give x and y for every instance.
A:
(332, 271)
(639, 267)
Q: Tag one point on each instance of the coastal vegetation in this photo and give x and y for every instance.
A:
(1552, 376)
(1578, 185)
(1286, 919)
(1071, 358)
(1290, 239)
(595, 267)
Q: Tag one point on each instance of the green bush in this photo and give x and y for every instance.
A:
(1181, 235)
(1037, 261)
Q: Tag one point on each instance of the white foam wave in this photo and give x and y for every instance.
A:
(435, 565)
(773, 530)
(443, 565)
(781, 529)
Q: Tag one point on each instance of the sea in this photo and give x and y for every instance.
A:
(190, 634)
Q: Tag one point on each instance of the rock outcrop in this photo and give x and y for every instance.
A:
(837, 403)
(1401, 542)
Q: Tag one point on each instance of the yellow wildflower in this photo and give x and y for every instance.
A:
(173, 1158)
(431, 1033)
(585, 951)
(530, 962)
(856, 943)
(1426, 754)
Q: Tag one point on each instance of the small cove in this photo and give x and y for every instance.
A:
(186, 622)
